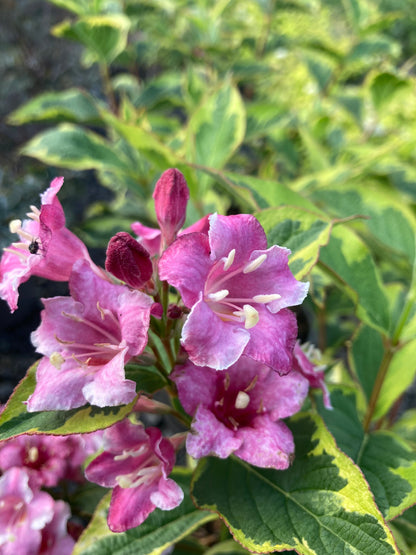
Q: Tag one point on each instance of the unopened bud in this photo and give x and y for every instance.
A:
(171, 196)
(174, 312)
(128, 260)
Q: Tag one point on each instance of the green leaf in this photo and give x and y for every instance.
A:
(390, 221)
(405, 427)
(387, 461)
(406, 524)
(347, 259)
(366, 353)
(320, 505)
(384, 87)
(70, 105)
(15, 420)
(160, 530)
(400, 376)
(147, 378)
(70, 146)
(302, 231)
(257, 193)
(216, 129)
(79, 7)
(105, 36)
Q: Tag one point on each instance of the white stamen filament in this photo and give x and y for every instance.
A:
(263, 299)
(242, 400)
(254, 264)
(229, 260)
(114, 340)
(218, 296)
(131, 453)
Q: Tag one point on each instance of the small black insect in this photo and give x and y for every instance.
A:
(34, 247)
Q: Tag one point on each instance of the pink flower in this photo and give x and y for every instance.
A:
(151, 238)
(47, 459)
(239, 411)
(238, 291)
(171, 196)
(128, 260)
(23, 514)
(55, 537)
(306, 361)
(46, 247)
(136, 463)
(87, 339)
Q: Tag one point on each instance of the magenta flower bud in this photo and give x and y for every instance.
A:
(174, 311)
(171, 195)
(128, 260)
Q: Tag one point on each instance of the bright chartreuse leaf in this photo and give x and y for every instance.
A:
(216, 129)
(384, 87)
(71, 146)
(70, 105)
(104, 36)
(348, 260)
(321, 505)
(301, 231)
(15, 420)
(400, 376)
(387, 461)
(159, 531)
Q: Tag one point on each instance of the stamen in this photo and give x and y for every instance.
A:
(250, 316)
(242, 400)
(101, 330)
(229, 260)
(227, 381)
(254, 264)
(233, 422)
(15, 226)
(252, 384)
(218, 296)
(33, 454)
(263, 299)
(100, 310)
(56, 359)
(131, 453)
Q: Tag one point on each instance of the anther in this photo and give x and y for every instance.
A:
(263, 299)
(218, 296)
(229, 260)
(242, 400)
(254, 264)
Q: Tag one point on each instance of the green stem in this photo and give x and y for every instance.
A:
(384, 366)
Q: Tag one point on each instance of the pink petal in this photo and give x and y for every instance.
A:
(211, 342)
(168, 495)
(208, 436)
(266, 444)
(185, 265)
(241, 232)
(273, 339)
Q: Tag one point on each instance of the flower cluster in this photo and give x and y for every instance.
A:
(31, 521)
(229, 334)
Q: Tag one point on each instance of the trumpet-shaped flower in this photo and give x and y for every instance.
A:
(47, 459)
(238, 291)
(239, 411)
(46, 247)
(136, 463)
(87, 339)
(306, 360)
(23, 514)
